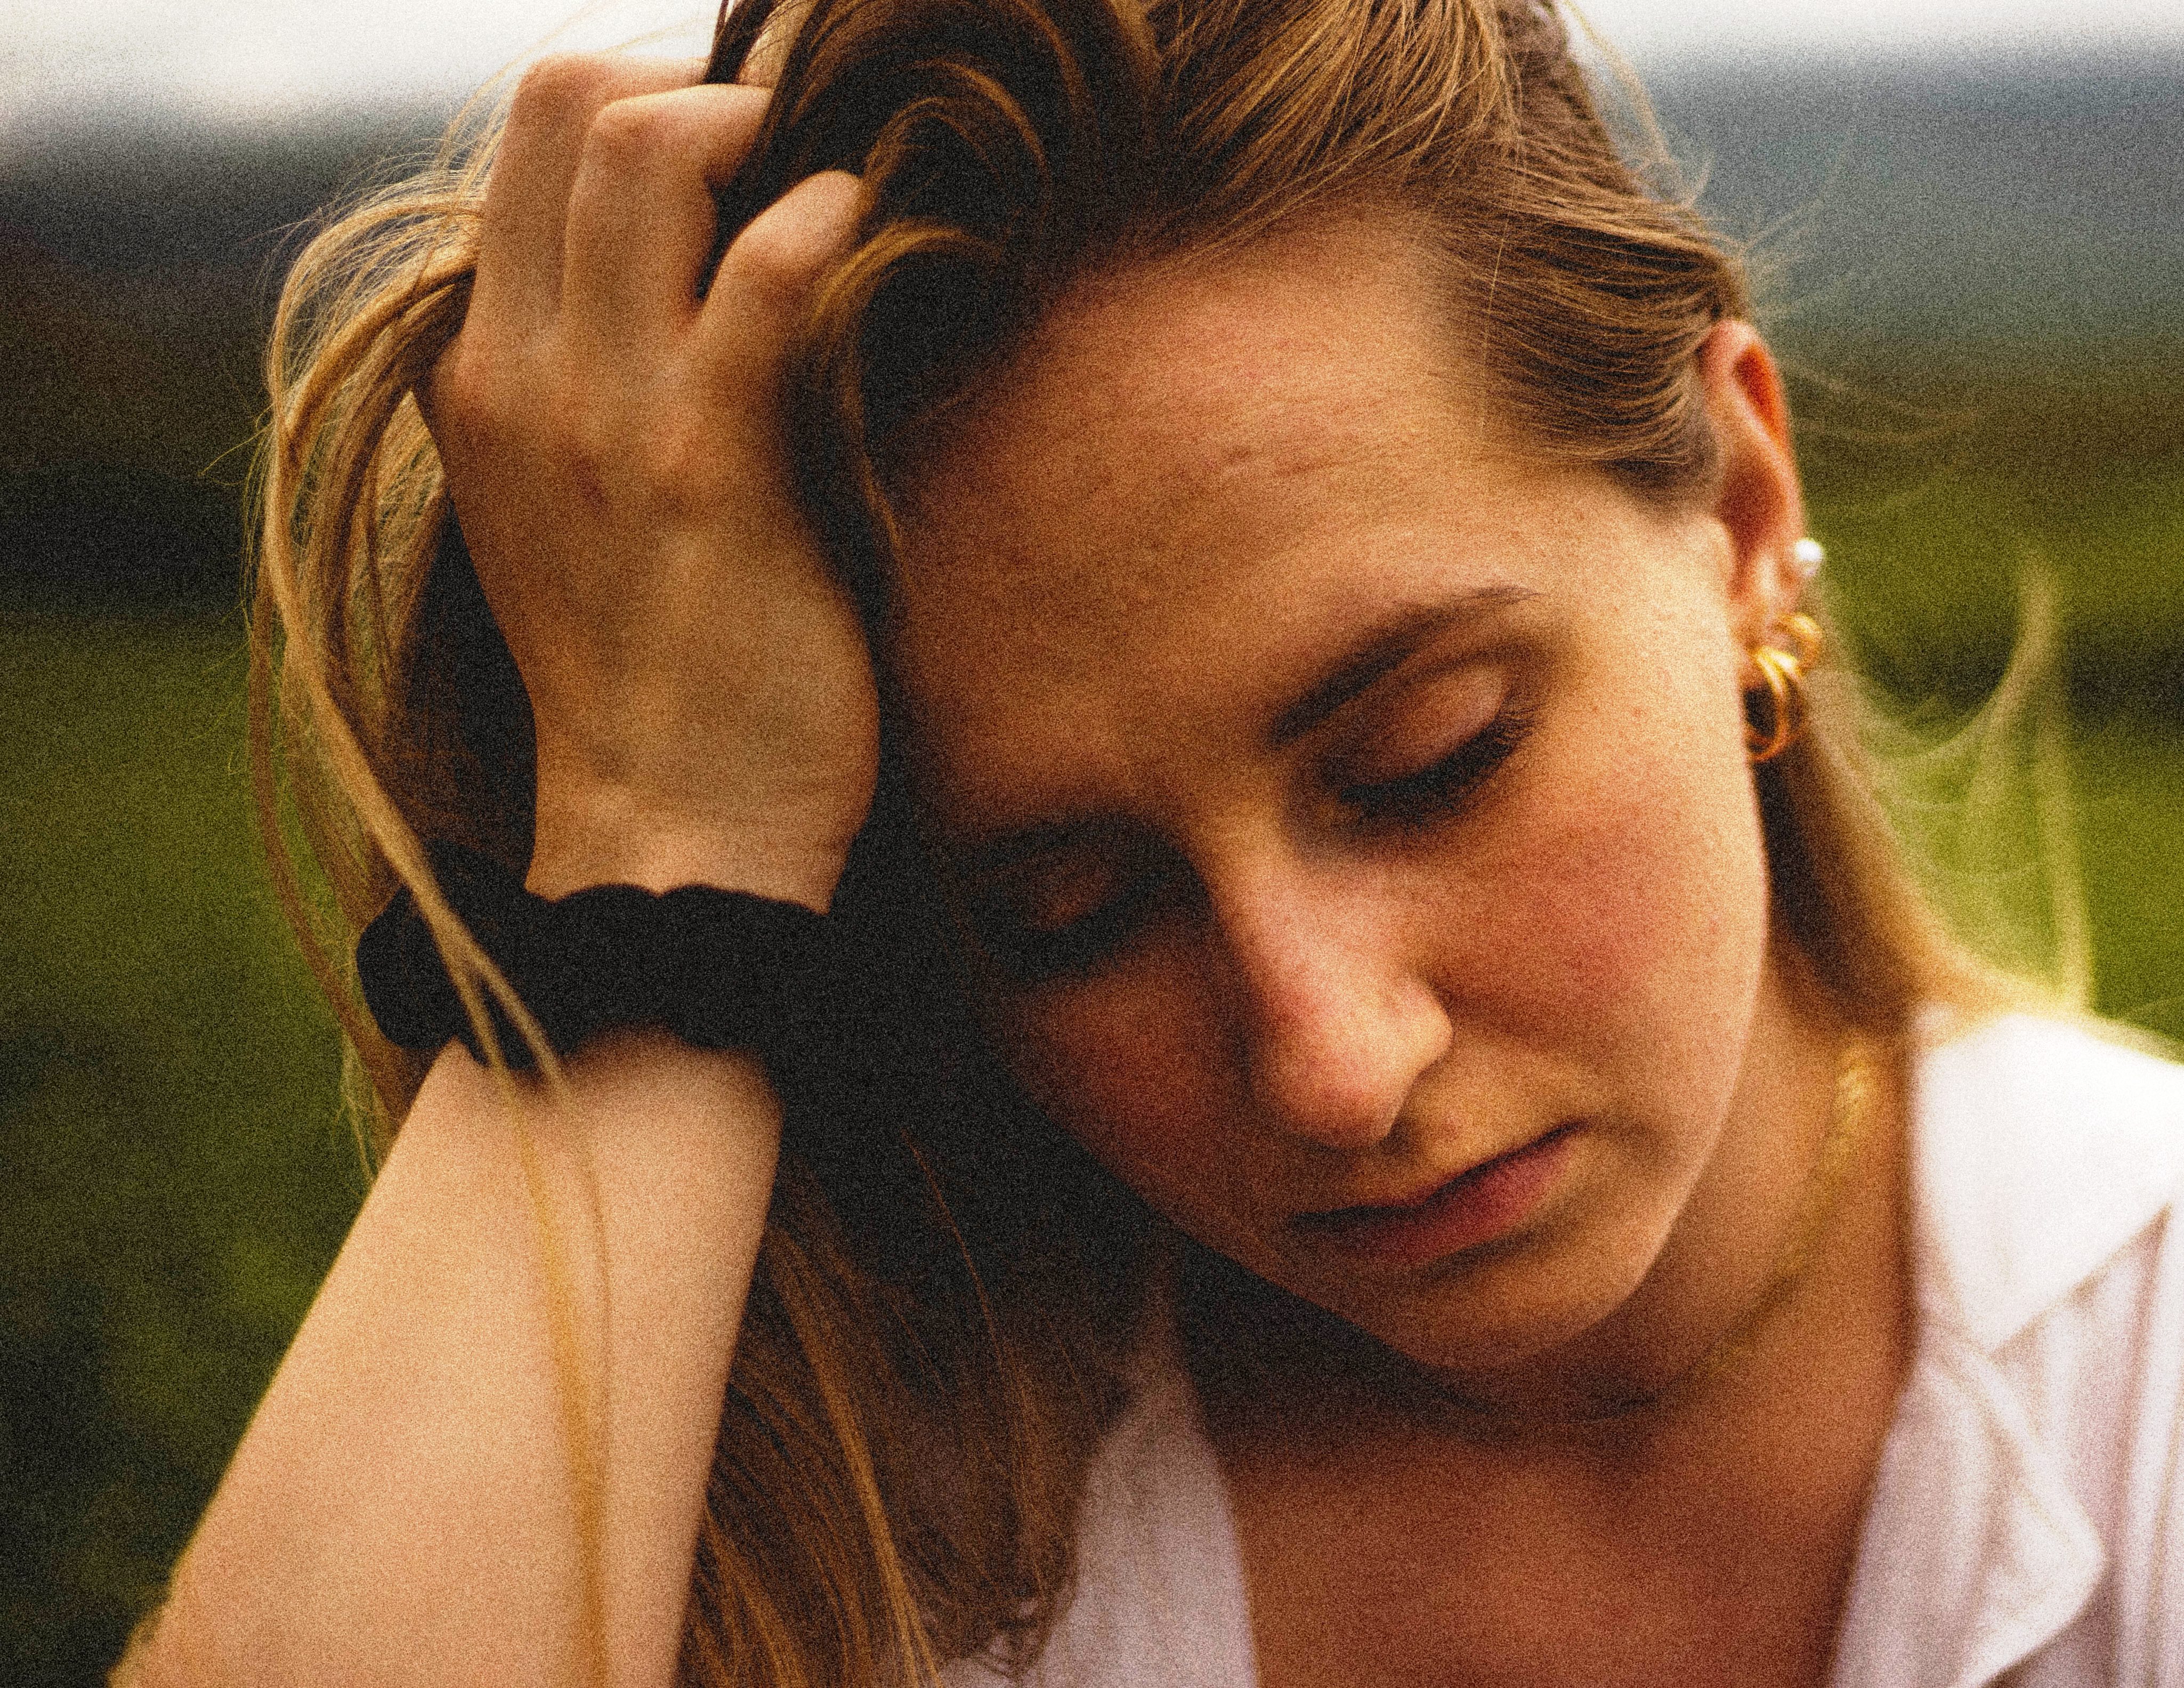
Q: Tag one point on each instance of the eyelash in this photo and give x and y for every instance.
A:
(1031, 957)
(1409, 804)
(1418, 800)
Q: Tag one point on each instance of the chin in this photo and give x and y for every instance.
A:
(1496, 1314)
(1464, 1337)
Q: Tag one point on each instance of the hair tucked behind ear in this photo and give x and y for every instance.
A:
(931, 1345)
(1010, 150)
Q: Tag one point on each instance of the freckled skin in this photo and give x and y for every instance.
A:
(1130, 557)
(1127, 558)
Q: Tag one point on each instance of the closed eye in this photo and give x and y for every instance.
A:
(1042, 931)
(1417, 799)
(1057, 919)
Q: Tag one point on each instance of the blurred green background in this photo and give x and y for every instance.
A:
(1977, 272)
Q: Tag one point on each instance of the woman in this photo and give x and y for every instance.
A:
(1308, 555)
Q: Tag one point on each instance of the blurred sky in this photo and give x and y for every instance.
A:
(67, 64)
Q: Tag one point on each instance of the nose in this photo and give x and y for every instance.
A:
(1334, 1018)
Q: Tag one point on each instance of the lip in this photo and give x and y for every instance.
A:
(1478, 1205)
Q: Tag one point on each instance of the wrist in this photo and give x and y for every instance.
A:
(718, 969)
(623, 844)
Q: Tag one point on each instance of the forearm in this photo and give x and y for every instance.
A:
(410, 1502)
(406, 1505)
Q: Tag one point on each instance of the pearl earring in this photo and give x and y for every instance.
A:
(1807, 554)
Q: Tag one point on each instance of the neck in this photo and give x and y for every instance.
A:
(1793, 1227)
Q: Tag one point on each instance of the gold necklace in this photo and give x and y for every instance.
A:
(1860, 1073)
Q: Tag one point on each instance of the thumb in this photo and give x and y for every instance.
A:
(769, 269)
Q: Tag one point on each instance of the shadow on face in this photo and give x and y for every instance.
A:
(1337, 796)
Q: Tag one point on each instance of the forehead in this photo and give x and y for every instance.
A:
(1153, 523)
(1155, 395)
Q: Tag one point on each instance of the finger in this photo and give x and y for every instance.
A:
(769, 53)
(641, 214)
(519, 274)
(768, 270)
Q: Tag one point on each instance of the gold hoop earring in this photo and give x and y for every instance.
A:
(1782, 670)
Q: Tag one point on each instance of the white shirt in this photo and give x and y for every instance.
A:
(2028, 1514)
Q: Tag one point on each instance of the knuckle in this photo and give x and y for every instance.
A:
(570, 430)
(672, 461)
(588, 444)
(581, 473)
(625, 134)
(562, 89)
(769, 262)
(459, 399)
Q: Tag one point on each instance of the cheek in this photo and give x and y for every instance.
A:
(1620, 912)
(1128, 1070)
(1621, 900)
(1609, 919)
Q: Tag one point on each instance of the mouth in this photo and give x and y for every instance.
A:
(1478, 1205)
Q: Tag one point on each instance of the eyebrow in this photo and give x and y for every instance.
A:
(1384, 649)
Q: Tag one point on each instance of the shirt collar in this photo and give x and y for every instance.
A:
(2040, 1151)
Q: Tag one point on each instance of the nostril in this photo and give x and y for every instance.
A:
(1333, 1027)
(1342, 1076)
(1325, 1094)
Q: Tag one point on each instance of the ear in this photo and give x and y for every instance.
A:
(1760, 503)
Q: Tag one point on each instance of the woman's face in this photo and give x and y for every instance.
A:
(1342, 808)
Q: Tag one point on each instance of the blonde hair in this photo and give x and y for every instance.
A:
(932, 1342)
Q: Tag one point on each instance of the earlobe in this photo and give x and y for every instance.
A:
(1760, 503)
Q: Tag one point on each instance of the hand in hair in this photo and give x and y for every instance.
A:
(486, 1456)
(609, 428)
